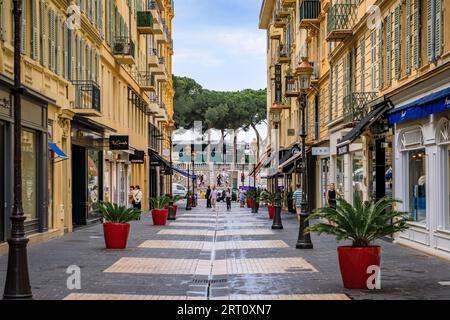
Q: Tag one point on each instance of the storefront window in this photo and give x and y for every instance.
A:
(357, 173)
(340, 174)
(324, 170)
(29, 175)
(448, 188)
(417, 185)
(93, 179)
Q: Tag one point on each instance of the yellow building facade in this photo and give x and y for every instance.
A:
(377, 111)
(97, 75)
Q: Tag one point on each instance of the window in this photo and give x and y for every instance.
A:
(93, 179)
(417, 185)
(29, 174)
(340, 174)
(357, 172)
(448, 187)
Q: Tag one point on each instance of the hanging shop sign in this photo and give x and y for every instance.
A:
(323, 151)
(343, 149)
(118, 143)
(278, 83)
(137, 157)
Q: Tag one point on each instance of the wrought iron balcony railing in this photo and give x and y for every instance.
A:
(284, 54)
(124, 50)
(87, 97)
(341, 19)
(355, 106)
(278, 21)
(144, 22)
(146, 80)
(292, 88)
(288, 3)
(309, 13)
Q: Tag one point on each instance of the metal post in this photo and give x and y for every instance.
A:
(255, 200)
(17, 284)
(171, 208)
(194, 204)
(188, 205)
(304, 241)
(277, 224)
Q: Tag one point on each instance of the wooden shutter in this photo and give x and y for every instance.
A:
(430, 30)
(397, 48)
(2, 19)
(88, 63)
(380, 57)
(51, 43)
(363, 65)
(100, 16)
(57, 45)
(330, 96)
(71, 60)
(336, 90)
(43, 33)
(78, 62)
(373, 43)
(438, 29)
(388, 48)
(23, 45)
(416, 34)
(66, 51)
(107, 23)
(35, 40)
(408, 36)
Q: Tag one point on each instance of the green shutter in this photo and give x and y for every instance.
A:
(408, 36)
(43, 34)
(430, 30)
(100, 16)
(397, 42)
(71, 54)
(52, 39)
(23, 45)
(57, 45)
(416, 34)
(88, 63)
(388, 49)
(34, 18)
(363, 65)
(107, 18)
(336, 90)
(438, 29)
(330, 96)
(373, 43)
(78, 62)
(66, 52)
(2, 19)
(380, 57)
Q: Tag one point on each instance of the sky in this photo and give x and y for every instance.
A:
(218, 44)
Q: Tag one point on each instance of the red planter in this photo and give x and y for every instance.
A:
(175, 207)
(116, 235)
(249, 203)
(160, 216)
(271, 210)
(354, 263)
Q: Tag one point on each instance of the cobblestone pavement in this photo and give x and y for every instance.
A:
(219, 255)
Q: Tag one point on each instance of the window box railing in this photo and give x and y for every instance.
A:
(87, 97)
(355, 106)
(341, 19)
(309, 13)
(144, 22)
(146, 80)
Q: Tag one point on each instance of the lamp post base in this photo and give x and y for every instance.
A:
(304, 240)
(171, 212)
(277, 224)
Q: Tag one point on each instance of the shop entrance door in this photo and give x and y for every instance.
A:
(2, 182)
(79, 185)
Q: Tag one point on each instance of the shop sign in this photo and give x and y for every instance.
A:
(278, 83)
(291, 132)
(137, 157)
(166, 152)
(323, 151)
(343, 149)
(118, 143)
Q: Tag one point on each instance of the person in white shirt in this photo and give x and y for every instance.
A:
(214, 194)
(228, 199)
(137, 198)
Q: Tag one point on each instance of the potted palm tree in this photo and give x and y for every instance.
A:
(249, 197)
(159, 212)
(362, 223)
(116, 227)
(174, 199)
(269, 198)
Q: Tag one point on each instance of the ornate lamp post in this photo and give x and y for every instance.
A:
(277, 224)
(304, 72)
(17, 284)
(188, 204)
(194, 202)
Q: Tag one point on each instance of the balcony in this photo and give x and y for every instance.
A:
(315, 77)
(146, 80)
(283, 12)
(309, 14)
(355, 106)
(144, 22)
(123, 50)
(341, 19)
(87, 98)
(160, 69)
(288, 3)
(278, 21)
(284, 55)
(292, 88)
(156, 12)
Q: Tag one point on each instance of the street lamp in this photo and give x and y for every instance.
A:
(194, 204)
(172, 215)
(277, 224)
(304, 72)
(17, 284)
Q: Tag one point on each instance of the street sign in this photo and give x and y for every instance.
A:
(323, 151)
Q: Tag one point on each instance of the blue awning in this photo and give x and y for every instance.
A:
(432, 103)
(184, 173)
(57, 151)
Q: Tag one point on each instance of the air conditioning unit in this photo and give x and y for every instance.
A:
(121, 48)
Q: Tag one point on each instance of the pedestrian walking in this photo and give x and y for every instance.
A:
(130, 197)
(208, 197)
(331, 195)
(297, 198)
(137, 199)
(228, 199)
(214, 195)
(242, 198)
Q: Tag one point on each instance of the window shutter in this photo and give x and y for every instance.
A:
(100, 16)
(363, 65)
(336, 90)
(82, 75)
(330, 96)
(373, 42)
(416, 35)
(2, 19)
(408, 36)
(57, 45)
(35, 40)
(78, 62)
(52, 39)
(23, 45)
(107, 22)
(397, 42)
(43, 34)
(71, 54)
(65, 52)
(388, 49)
(88, 63)
(380, 57)
(438, 29)
(430, 30)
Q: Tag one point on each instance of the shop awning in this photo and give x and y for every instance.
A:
(432, 103)
(57, 151)
(287, 165)
(163, 162)
(184, 173)
(258, 166)
(377, 112)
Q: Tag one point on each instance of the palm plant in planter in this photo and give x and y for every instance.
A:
(116, 227)
(363, 223)
(269, 198)
(172, 199)
(249, 197)
(159, 212)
